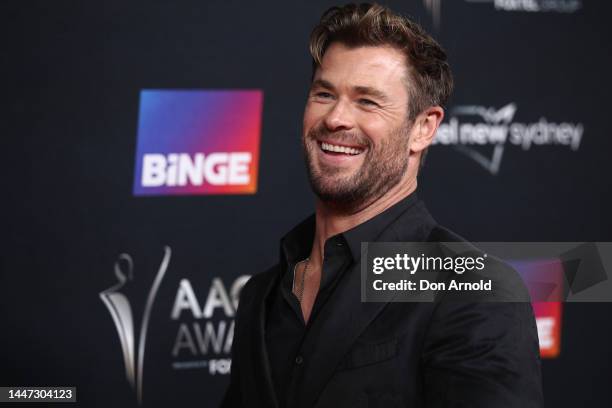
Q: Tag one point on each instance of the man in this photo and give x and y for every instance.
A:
(303, 338)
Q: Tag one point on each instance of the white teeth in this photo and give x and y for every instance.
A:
(339, 149)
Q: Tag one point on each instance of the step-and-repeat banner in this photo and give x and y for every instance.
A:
(153, 161)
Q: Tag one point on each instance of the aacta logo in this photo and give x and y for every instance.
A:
(482, 133)
(205, 325)
(205, 333)
(198, 142)
(120, 309)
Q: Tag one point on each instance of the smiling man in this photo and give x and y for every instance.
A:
(303, 338)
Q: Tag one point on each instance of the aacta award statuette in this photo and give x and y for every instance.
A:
(120, 309)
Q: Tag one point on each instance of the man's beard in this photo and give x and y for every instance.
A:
(382, 168)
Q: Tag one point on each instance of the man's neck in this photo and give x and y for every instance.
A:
(330, 221)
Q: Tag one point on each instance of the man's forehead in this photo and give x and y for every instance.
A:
(365, 66)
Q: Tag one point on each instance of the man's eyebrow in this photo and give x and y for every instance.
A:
(322, 83)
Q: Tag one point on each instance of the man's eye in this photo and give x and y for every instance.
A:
(367, 102)
(324, 95)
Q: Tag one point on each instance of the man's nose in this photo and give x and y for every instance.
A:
(339, 117)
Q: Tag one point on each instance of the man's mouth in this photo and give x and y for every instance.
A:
(337, 149)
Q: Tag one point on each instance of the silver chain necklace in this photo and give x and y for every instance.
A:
(299, 290)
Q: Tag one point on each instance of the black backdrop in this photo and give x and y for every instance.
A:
(73, 72)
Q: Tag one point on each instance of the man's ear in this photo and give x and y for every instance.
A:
(424, 128)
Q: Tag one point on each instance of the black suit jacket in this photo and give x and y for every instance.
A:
(443, 354)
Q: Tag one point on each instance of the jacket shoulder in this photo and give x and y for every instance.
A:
(258, 283)
(507, 283)
(442, 234)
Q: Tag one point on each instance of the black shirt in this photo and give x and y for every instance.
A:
(285, 327)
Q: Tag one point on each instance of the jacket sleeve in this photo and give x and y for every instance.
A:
(482, 355)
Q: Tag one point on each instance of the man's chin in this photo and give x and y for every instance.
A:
(333, 196)
(335, 187)
(331, 186)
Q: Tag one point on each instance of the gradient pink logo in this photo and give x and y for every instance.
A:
(545, 280)
(194, 142)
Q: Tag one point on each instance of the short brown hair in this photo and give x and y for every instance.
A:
(371, 25)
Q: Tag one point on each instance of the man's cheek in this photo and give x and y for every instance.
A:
(315, 112)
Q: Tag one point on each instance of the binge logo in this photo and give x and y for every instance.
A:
(548, 320)
(198, 142)
(545, 280)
